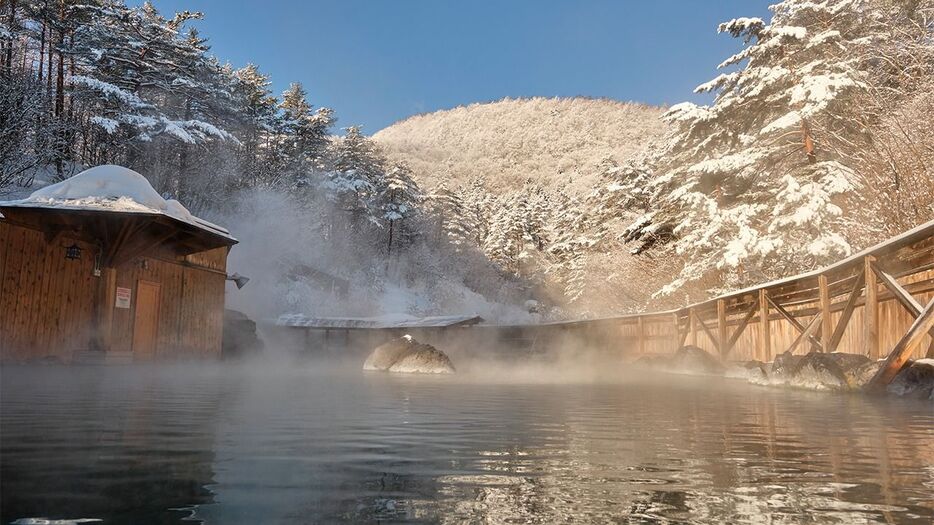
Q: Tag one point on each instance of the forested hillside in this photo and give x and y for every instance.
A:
(555, 142)
(818, 144)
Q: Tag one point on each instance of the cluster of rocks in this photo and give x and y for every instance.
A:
(817, 371)
(240, 337)
(406, 355)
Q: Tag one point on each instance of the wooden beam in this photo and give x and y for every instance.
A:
(707, 330)
(903, 349)
(901, 295)
(824, 297)
(721, 327)
(742, 326)
(847, 313)
(136, 248)
(692, 327)
(808, 332)
(765, 335)
(904, 298)
(870, 311)
(794, 322)
(681, 335)
(641, 328)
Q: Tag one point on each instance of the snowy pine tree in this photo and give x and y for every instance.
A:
(399, 201)
(752, 186)
(450, 222)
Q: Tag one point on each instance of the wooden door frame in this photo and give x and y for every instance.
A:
(155, 343)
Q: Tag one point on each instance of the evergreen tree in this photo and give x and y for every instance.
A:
(752, 186)
(450, 220)
(399, 201)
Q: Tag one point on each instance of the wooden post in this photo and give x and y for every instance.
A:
(903, 349)
(826, 330)
(721, 327)
(765, 335)
(641, 327)
(107, 292)
(692, 326)
(677, 332)
(870, 311)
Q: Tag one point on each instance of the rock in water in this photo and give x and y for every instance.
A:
(406, 355)
(425, 360)
(240, 337)
(818, 371)
(914, 380)
(385, 355)
(753, 371)
(692, 359)
(783, 367)
(860, 376)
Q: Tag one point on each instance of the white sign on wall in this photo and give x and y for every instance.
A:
(123, 297)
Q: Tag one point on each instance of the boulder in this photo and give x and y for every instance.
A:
(752, 371)
(914, 380)
(860, 376)
(818, 371)
(848, 362)
(406, 355)
(693, 359)
(653, 362)
(239, 336)
(783, 367)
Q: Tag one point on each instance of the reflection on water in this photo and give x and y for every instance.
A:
(304, 445)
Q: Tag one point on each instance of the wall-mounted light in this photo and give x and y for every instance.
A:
(238, 279)
(73, 252)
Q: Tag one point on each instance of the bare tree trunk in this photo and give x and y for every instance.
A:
(11, 26)
(60, 95)
(41, 51)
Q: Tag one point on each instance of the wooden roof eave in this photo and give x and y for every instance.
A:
(121, 235)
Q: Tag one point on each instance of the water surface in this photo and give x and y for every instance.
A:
(306, 444)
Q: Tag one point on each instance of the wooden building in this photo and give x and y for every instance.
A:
(109, 278)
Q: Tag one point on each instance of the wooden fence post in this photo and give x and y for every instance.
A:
(677, 333)
(692, 326)
(826, 330)
(765, 334)
(721, 327)
(641, 326)
(870, 311)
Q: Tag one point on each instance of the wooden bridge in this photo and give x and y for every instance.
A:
(878, 302)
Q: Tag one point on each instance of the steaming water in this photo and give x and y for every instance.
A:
(304, 445)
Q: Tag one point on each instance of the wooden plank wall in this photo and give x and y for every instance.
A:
(191, 303)
(47, 302)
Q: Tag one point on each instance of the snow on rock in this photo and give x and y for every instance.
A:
(406, 355)
(111, 188)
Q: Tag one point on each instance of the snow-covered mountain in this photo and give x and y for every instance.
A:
(553, 141)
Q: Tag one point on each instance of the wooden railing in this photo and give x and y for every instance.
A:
(872, 303)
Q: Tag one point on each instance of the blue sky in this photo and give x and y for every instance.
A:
(375, 62)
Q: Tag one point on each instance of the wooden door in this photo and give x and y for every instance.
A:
(146, 320)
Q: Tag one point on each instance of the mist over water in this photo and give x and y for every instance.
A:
(299, 256)
(317, 441)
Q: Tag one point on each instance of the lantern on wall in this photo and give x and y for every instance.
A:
(73, 252)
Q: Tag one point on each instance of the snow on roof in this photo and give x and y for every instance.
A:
(114, 189)
(383, 321)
